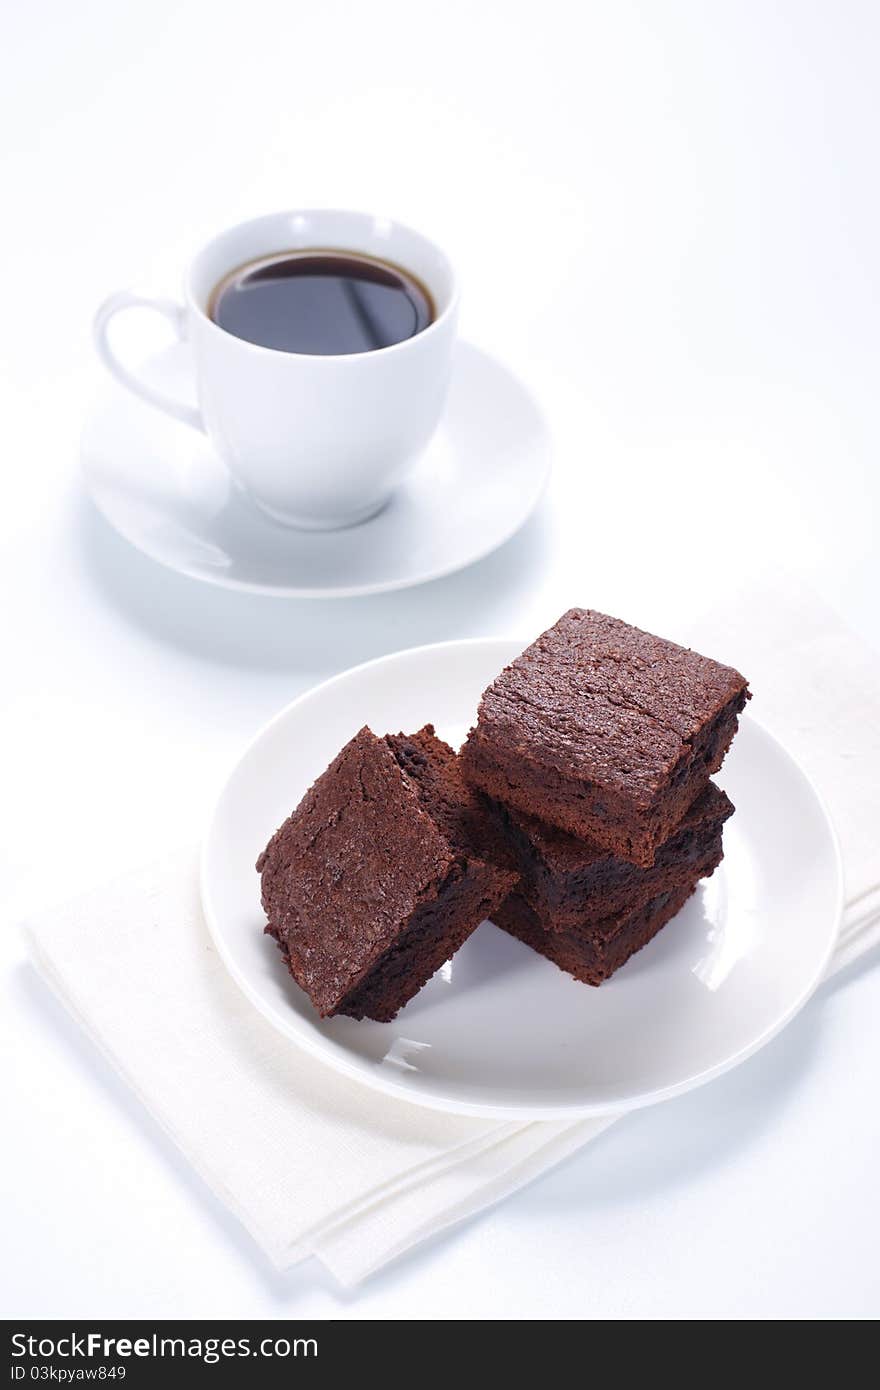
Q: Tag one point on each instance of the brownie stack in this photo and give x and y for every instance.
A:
(579, 817)
(593, 753)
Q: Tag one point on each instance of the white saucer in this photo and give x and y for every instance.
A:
(160, 485)
(500, 1030)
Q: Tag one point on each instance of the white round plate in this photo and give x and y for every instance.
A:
(500, 1031)
(159, 484)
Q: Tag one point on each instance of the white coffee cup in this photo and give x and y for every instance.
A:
(315, 441)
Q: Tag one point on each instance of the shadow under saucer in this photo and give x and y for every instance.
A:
(310, 637)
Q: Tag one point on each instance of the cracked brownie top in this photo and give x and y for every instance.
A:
(598, 700)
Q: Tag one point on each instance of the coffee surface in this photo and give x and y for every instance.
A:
(321, 302)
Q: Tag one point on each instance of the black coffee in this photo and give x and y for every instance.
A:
(324, 302)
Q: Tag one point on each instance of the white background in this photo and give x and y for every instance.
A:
(666, 216)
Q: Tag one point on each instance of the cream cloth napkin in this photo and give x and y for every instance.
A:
(314, 1164)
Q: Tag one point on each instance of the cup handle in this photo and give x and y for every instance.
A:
(176, 316)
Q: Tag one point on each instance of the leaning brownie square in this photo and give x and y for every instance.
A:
(572, 883)
(372, 884)
(604, 731)
(593, 955)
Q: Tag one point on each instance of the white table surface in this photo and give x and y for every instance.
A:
(667, 219)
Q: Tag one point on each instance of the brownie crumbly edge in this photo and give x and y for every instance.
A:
(588, 958)
(570, 882)
(435, 932)
(472, 890)
(454, 806)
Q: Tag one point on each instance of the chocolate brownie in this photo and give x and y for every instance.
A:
(571, 883)
(604, 731)
(371, 884)
(591, 956)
